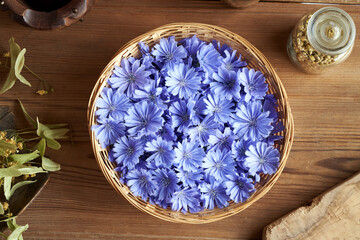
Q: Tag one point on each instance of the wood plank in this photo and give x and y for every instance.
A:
(78, 203)
(332, 215)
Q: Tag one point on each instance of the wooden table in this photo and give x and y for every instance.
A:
(78, 203)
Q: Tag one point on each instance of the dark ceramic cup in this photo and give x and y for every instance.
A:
(48, 14)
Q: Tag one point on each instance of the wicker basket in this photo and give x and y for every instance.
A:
(254, 58)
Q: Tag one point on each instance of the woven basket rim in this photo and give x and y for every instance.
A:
(177, 216)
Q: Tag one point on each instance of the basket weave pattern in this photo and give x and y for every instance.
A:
(254, 58)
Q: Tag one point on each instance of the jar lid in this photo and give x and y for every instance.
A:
(331, 31)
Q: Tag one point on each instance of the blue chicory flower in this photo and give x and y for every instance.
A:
(231, 62)
(168, 51)
(197, 106)
(141, 183)
(226, 83)
(270, 104)
(218, 107)
(127, 151)
(166, 182)
(189, 156)
(151, 93)
(238, 150)
(214, 194)
(122, 172)
(218, 164)
(251, 122)
(162, 152)
(112, 104)
(180, 115)
(190, 179)
(192, 45)
(209, 59)
(129, 77)
(254, 84)
(277, 128)
(262, 158)
(144, 49)
(239, 187)
(182, 81)
(143, 118)
(186, 200)
(221, 48)
(222, 141)
(167, 133)
(203, 130)
(108, 130)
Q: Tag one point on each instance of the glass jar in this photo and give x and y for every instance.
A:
(321, 39)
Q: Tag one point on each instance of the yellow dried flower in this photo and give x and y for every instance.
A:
(5, 206)
(7, 54)
(42, 92)
(2, 135)
(20, 145)
(7, 152)
(11, 140)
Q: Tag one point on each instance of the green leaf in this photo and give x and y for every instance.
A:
(7, 187)
(14, 48)
(27, 116)
(5, 146)
(41, 128)
(3, 235)
(50, 165)
(19, 64)
(30, 169)
(7, 219)
(51, 143)
(41, 146)
(17, 233)
(18, 170)
(10, 172)
(14, 52)
(11, 225)
(59, 125)
(24, 158)
(56, 133)
(1, 209)
(9, 83)
(16, 186)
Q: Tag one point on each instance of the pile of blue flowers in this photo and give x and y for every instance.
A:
(189, 125)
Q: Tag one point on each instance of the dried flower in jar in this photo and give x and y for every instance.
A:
(321, 39)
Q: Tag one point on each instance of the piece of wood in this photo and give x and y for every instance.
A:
(24, 196)
(332, 215)
(7, 121)
(78, 202)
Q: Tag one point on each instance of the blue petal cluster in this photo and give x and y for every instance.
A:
(189, 125)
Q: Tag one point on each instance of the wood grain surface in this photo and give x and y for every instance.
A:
(332, 215)
(78, 203)
(340, 2)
